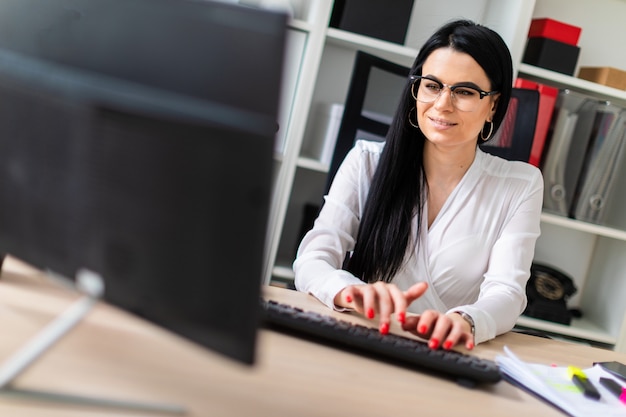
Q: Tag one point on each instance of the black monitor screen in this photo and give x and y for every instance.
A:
(136, 140)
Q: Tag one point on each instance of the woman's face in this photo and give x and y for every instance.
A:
(442, 123)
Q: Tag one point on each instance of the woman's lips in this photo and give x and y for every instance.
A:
(441, 123)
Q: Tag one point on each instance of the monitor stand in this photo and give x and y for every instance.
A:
(92, 287)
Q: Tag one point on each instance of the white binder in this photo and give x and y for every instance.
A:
(602, 165)
(573, 122)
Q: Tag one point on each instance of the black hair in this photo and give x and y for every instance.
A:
(398, 187)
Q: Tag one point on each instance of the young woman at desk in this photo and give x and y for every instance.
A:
(434, 225)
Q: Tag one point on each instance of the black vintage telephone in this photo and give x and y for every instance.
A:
(548, 290)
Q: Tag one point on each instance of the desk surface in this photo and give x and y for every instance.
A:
(113, 354)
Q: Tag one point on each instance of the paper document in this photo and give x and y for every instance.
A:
(554, 386)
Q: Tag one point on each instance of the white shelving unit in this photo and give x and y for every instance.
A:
(310, 20)
(580, 249)
(595, 256)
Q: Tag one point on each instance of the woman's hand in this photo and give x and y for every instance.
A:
(445, 330)
(383, 300)
(380, 299)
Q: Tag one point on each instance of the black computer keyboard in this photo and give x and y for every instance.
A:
(466, 369)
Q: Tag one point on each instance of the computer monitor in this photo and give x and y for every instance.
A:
(136, 141)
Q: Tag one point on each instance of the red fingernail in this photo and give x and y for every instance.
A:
(447, 345)
(470, 346)
(384, 328)
(370, 313)
(348, 299)
(433, 344)
(423, 329)
(402, 317)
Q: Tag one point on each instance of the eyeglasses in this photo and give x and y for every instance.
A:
(464, 96)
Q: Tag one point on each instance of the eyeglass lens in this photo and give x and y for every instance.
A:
(463, 97)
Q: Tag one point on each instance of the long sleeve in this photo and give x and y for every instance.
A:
(502, 294)
(478, 252)
(323, 249)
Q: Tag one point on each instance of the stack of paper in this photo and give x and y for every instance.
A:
(552, 384)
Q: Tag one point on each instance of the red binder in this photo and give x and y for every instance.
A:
(547, 99)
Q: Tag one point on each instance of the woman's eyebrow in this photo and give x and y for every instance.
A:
(467, 84)
(459, 84)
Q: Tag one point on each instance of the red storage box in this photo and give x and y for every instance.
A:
(555, 30)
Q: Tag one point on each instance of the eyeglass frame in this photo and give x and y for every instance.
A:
(474, 87)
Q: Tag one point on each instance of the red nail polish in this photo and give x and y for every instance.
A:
(447, 345)
(370, 313)
(433, 343)
(402, 317)
(348, 299)
(423, 329)
(470, 346)
(384, 328)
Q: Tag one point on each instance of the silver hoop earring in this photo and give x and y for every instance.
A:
(413, 91)
(485, 139)
(415, 125)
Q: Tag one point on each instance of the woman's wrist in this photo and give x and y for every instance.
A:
(468, 319)
(340, 301)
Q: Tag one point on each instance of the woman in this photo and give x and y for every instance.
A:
(434, 225)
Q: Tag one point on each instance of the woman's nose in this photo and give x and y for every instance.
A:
(445, 98)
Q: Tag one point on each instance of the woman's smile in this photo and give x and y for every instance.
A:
(441, 123)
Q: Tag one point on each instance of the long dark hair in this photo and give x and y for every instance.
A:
(396, 194)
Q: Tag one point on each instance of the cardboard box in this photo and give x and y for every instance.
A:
(611, 77)
(555, 30)
(550, 54)
(382, 19)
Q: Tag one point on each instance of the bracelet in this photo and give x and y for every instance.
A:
(468, 319)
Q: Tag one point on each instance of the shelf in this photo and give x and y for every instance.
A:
(284, 272)
(312, 164)
(394, 52)
(579, 328)
(566, 81)
(300, 25)
(583, 226)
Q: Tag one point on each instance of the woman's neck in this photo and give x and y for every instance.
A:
(445, 167)
(444, 170)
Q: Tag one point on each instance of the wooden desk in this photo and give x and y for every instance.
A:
(113, 354)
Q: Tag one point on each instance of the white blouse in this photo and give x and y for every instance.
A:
(475, 256)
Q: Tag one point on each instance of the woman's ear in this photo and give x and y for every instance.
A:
(494, 105)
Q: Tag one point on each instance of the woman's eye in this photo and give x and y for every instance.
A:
(432, 86)
(464, 92)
